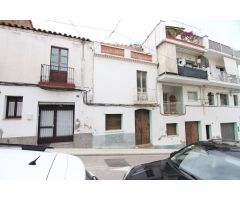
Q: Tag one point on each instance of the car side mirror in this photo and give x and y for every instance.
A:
(173, 153)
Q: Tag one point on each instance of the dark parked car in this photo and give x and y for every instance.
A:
(213, 159)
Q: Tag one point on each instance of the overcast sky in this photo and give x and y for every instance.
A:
(135, 18)
(131, 31)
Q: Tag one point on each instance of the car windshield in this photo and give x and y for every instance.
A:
(209, 162)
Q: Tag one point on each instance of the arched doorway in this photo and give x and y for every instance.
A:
(142, 127)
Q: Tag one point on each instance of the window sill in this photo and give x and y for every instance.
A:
(169, 136)
(114, 131)
(13, 118)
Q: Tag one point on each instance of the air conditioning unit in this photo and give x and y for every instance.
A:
(181, 62)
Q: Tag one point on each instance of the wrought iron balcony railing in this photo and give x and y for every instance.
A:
(223, 76)
(223, 48)
(173, 107)
(56, 75)
(142, 96)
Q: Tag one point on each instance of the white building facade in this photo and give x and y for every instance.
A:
(175, 89)
(43, 76)
(199, 86)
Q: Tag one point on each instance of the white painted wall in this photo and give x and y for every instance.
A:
(157, 35)
(167, 58)
(115, 80)
(31, 97)
(194, 111)
(23, 51)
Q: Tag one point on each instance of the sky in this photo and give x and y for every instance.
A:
(133, 19)
(135, 32)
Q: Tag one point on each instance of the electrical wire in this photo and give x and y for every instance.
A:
(112, 31)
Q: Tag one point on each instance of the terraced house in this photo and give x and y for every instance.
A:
(198, 80)
(174, 89)
(43, 75)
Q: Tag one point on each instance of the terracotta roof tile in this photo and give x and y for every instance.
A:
(4, 23)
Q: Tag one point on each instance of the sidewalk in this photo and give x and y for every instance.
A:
(92, 152)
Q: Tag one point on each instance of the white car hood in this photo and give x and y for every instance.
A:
(14, 165)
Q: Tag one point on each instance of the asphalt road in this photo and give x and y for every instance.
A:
(114, 167)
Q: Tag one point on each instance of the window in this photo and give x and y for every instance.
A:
(171, 129)
(235, 99)
(113, 122)
(59, 59)
(141, 81)
(224, 99)
(14, 107)
(192, 96)
(211, 99)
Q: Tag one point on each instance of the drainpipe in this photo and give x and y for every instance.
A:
(83, 64)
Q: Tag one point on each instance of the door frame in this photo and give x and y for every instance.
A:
(149, 126)
(55, 108)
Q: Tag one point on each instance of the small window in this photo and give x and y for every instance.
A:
(192, 96)
(113, 121)
(211, 99)
(224, 99)
(14, 107)
(235, 99)
(171, 129)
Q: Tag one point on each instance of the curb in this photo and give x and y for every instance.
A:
(109, 152)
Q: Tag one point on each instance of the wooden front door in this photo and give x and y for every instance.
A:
(192, 134)
(142, 127)
(55, 123)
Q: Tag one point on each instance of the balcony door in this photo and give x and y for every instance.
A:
(59, 65)
(142, 86)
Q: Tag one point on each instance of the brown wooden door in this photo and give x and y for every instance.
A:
(192, 135)
(142, 127)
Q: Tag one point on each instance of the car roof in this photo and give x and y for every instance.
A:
(19, 164)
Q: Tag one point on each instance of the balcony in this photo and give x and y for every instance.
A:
(145, 97)
(181, 35)
(192, 72)
(225, 77)
(173, 108)
(57, 77)
(223, 49)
